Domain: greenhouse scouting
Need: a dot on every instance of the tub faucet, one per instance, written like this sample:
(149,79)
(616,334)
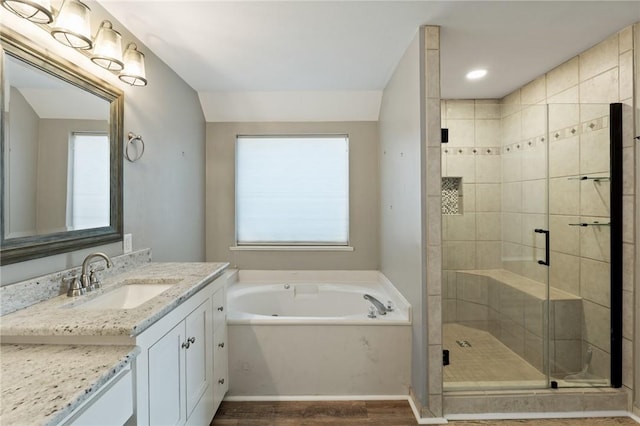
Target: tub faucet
(382,310)
(88,281)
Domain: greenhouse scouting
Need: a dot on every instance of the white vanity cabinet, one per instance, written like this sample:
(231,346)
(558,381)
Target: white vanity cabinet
(181,375)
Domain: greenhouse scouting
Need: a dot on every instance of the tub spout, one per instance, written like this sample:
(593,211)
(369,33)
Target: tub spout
(382,310)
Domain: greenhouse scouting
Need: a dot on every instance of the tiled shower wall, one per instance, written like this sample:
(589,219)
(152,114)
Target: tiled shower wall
(472,238)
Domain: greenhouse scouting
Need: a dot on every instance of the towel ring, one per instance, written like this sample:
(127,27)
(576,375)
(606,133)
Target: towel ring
(132,139)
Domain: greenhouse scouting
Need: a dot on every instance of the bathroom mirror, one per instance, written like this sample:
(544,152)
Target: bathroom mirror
(61,154)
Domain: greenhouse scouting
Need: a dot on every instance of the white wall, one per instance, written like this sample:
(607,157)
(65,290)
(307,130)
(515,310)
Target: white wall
(401,248)
(164,191)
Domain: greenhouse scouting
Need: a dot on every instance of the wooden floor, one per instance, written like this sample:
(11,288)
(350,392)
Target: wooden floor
(348,413)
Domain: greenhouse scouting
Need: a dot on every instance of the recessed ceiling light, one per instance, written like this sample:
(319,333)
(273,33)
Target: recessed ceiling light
(476,74)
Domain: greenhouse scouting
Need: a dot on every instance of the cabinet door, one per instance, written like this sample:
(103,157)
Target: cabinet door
(220,365)
(166,375)
(197,374)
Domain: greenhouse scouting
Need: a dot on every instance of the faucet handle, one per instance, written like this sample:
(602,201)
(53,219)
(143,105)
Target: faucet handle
(75,286)
(390,306)
(94,282)
(372,311)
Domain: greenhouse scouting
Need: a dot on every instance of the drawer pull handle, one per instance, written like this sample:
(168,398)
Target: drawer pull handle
(221,345)
(191,340)
(221,381)
(221,308)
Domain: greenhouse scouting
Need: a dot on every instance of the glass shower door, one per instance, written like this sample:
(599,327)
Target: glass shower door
(495,288)
(580,219)
(523,307)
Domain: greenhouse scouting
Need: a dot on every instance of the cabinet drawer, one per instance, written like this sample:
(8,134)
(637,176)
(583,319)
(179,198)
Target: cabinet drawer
(111,406)
(219,309)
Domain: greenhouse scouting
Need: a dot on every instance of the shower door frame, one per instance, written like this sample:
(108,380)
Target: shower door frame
(616,147)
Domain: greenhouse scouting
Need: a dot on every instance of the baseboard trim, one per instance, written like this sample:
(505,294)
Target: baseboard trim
(316,398)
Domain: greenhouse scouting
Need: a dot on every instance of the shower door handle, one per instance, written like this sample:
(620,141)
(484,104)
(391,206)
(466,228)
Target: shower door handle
(546,245)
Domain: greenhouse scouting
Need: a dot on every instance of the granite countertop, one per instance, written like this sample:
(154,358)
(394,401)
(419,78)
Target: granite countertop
(40,386)
(63,316)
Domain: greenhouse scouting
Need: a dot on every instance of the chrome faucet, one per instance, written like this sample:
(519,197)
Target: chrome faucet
(382,310)
(89,281)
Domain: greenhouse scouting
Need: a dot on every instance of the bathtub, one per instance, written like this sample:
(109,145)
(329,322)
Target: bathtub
(306,333)
(306,298)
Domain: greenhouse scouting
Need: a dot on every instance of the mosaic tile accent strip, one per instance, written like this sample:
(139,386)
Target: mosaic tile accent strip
(559,134)
(465,150)
(554,136)
(451,195)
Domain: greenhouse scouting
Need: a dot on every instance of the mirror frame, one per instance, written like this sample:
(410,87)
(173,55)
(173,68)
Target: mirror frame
(19,249)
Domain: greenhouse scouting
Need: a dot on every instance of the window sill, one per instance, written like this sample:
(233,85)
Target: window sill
(291,248)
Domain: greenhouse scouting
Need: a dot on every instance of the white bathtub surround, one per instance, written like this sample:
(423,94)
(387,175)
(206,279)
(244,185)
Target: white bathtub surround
(29,292)
(41,384)
(322,341)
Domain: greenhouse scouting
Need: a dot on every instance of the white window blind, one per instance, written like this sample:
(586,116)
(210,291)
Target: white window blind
(292,190)
(89,181)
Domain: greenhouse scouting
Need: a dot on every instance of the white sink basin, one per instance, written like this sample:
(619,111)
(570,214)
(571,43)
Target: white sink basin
(126,297)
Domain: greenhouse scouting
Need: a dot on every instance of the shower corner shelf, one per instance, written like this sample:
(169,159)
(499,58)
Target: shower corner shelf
(593,178)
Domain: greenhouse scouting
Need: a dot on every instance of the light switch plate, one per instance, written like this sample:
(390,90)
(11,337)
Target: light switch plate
(127,243)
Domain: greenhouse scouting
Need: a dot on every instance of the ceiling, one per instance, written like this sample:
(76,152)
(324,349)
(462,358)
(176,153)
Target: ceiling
(352,46)
(51,97)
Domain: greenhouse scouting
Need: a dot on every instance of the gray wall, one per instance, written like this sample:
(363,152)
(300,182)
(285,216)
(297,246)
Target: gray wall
(22,152)
(401,253)
(363,194)
(164,191)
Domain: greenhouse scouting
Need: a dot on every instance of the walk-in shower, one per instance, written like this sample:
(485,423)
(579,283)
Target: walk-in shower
(531,199)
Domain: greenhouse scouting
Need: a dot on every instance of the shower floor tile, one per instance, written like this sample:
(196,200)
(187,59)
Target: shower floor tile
(478,361)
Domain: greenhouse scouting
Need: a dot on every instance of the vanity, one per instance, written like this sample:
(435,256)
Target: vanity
(160,360)
(146,348)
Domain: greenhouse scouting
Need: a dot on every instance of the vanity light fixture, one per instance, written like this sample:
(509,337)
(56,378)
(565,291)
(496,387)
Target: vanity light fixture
(107,48)
(72,26)
(134,71)
(38,11)
(476,74)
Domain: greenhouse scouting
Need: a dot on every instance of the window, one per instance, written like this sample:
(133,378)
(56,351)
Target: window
(88,189)
(292,190)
